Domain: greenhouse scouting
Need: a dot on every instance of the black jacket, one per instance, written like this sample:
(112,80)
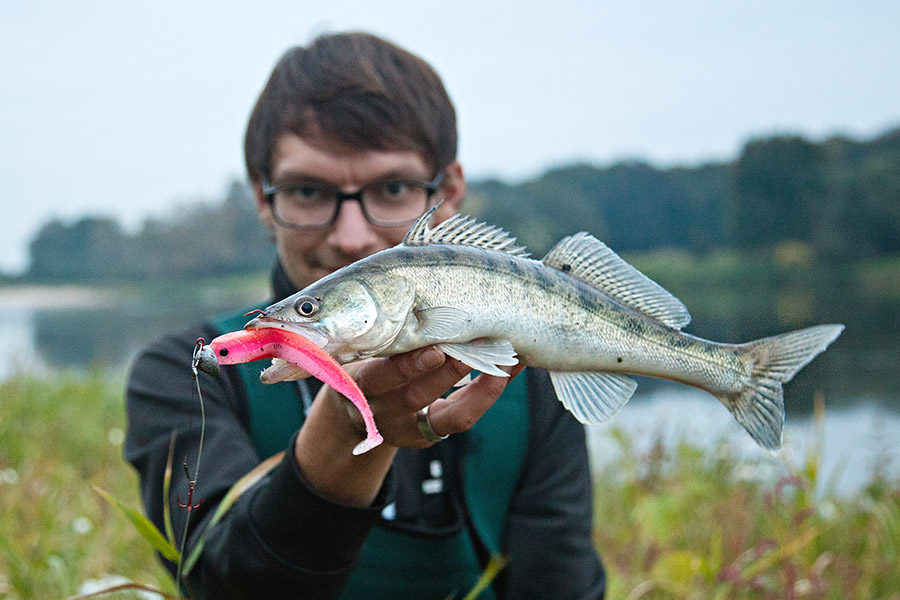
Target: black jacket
(281,537)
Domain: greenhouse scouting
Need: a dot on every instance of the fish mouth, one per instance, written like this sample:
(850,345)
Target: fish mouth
(311,333)
(280,369)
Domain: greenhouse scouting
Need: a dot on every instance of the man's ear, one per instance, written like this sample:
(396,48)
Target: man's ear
(452,192)
(263,207)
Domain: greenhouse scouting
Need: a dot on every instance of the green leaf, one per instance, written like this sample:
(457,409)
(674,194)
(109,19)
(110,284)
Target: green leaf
(678,566)
(495,565)
(167,485)
(144,526)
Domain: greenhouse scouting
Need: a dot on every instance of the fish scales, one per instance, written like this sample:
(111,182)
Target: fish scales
(546,314)
(581,312)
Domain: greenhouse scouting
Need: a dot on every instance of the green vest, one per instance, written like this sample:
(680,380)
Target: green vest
(395,564)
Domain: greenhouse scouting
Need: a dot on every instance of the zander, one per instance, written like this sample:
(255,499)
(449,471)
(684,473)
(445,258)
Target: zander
(582,313)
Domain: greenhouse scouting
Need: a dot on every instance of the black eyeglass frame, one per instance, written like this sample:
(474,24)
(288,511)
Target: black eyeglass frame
(430,187)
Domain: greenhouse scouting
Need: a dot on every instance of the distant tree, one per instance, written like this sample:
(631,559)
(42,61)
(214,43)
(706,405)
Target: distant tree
(630,206)
(89,249)
(872,214)
(705,191)
(208,239)
(775,188)
(250,246)
(202,239)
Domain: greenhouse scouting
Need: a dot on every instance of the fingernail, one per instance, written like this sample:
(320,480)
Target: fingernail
(429,358)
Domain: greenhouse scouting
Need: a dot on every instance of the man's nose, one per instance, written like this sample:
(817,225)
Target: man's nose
(351,231)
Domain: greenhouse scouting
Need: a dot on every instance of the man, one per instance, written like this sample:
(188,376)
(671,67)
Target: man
(350,141)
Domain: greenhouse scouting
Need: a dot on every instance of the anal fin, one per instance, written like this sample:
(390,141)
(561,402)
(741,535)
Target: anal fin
(483,355)
(592,397)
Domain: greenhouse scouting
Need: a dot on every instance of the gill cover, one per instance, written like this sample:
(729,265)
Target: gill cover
(362,316)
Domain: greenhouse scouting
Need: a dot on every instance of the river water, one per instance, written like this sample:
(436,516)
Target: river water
(73,329)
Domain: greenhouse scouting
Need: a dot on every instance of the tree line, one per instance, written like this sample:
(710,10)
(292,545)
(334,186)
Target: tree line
(840,198)
(202,240)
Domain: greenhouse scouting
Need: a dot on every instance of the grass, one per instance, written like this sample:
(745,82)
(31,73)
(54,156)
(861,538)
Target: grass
(681,523)
(58,437)
(674,522)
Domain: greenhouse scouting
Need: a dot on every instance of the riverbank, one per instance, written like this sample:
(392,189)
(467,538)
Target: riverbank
(851,444)
(44,297)
(48,296)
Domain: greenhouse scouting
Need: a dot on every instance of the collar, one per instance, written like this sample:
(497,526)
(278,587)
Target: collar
(281,283)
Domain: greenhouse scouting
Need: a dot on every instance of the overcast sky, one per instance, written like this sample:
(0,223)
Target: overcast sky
(128,109)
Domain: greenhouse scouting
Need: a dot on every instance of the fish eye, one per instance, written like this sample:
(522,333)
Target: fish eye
(306,306)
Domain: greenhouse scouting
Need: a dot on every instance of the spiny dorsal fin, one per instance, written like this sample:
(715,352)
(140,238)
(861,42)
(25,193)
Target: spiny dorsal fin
(586,258)
(462,230)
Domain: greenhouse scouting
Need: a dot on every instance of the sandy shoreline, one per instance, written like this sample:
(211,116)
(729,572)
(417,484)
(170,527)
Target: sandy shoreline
(54,296)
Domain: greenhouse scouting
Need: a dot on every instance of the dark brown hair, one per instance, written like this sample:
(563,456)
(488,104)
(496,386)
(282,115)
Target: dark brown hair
(354,90)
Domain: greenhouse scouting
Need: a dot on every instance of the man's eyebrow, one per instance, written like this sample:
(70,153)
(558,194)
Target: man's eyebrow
(299,177)
(399,173)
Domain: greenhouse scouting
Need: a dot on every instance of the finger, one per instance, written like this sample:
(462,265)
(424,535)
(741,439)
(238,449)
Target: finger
(422,391)
(379,376)
(462,409)
(402,385)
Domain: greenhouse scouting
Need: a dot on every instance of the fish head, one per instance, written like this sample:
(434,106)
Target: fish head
(350,318)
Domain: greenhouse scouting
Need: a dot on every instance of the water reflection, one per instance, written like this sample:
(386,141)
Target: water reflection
(17,346)
(106,334)
(857,443)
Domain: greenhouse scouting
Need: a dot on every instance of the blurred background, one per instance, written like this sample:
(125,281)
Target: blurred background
(745,156)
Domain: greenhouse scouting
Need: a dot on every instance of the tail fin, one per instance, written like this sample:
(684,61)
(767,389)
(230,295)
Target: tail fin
(759,405)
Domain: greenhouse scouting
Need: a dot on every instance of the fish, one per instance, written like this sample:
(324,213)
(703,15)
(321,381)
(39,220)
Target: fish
(582,313)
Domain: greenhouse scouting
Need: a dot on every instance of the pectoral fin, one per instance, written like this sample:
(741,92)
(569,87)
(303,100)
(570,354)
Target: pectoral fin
(442,322)
(483,355)
(592,397)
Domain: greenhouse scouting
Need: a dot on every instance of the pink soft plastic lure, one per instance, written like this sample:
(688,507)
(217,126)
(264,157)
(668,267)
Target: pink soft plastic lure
(255,344)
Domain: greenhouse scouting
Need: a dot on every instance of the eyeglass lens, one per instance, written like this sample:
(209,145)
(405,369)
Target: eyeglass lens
(383,203)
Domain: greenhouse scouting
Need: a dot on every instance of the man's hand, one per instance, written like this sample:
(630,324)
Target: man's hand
(396,388)
(400,386)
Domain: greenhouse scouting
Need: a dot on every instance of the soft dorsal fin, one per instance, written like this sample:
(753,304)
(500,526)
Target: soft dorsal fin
(462,230)
(586,258)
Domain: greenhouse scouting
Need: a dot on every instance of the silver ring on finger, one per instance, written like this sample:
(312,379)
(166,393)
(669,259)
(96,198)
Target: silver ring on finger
(425,426)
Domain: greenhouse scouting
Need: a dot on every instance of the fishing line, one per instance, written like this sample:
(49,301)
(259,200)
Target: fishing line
(195,361)
(192,482)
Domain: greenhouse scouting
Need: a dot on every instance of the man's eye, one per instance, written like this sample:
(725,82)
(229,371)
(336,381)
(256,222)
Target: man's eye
(304,194)
(396,188)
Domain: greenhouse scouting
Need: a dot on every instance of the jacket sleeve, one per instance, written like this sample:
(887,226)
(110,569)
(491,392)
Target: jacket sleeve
(280,536)
(549,529)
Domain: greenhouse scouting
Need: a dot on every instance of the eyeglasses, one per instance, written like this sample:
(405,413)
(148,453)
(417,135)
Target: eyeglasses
(388,203)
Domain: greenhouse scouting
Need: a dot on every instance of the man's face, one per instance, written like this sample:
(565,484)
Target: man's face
(310,254)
